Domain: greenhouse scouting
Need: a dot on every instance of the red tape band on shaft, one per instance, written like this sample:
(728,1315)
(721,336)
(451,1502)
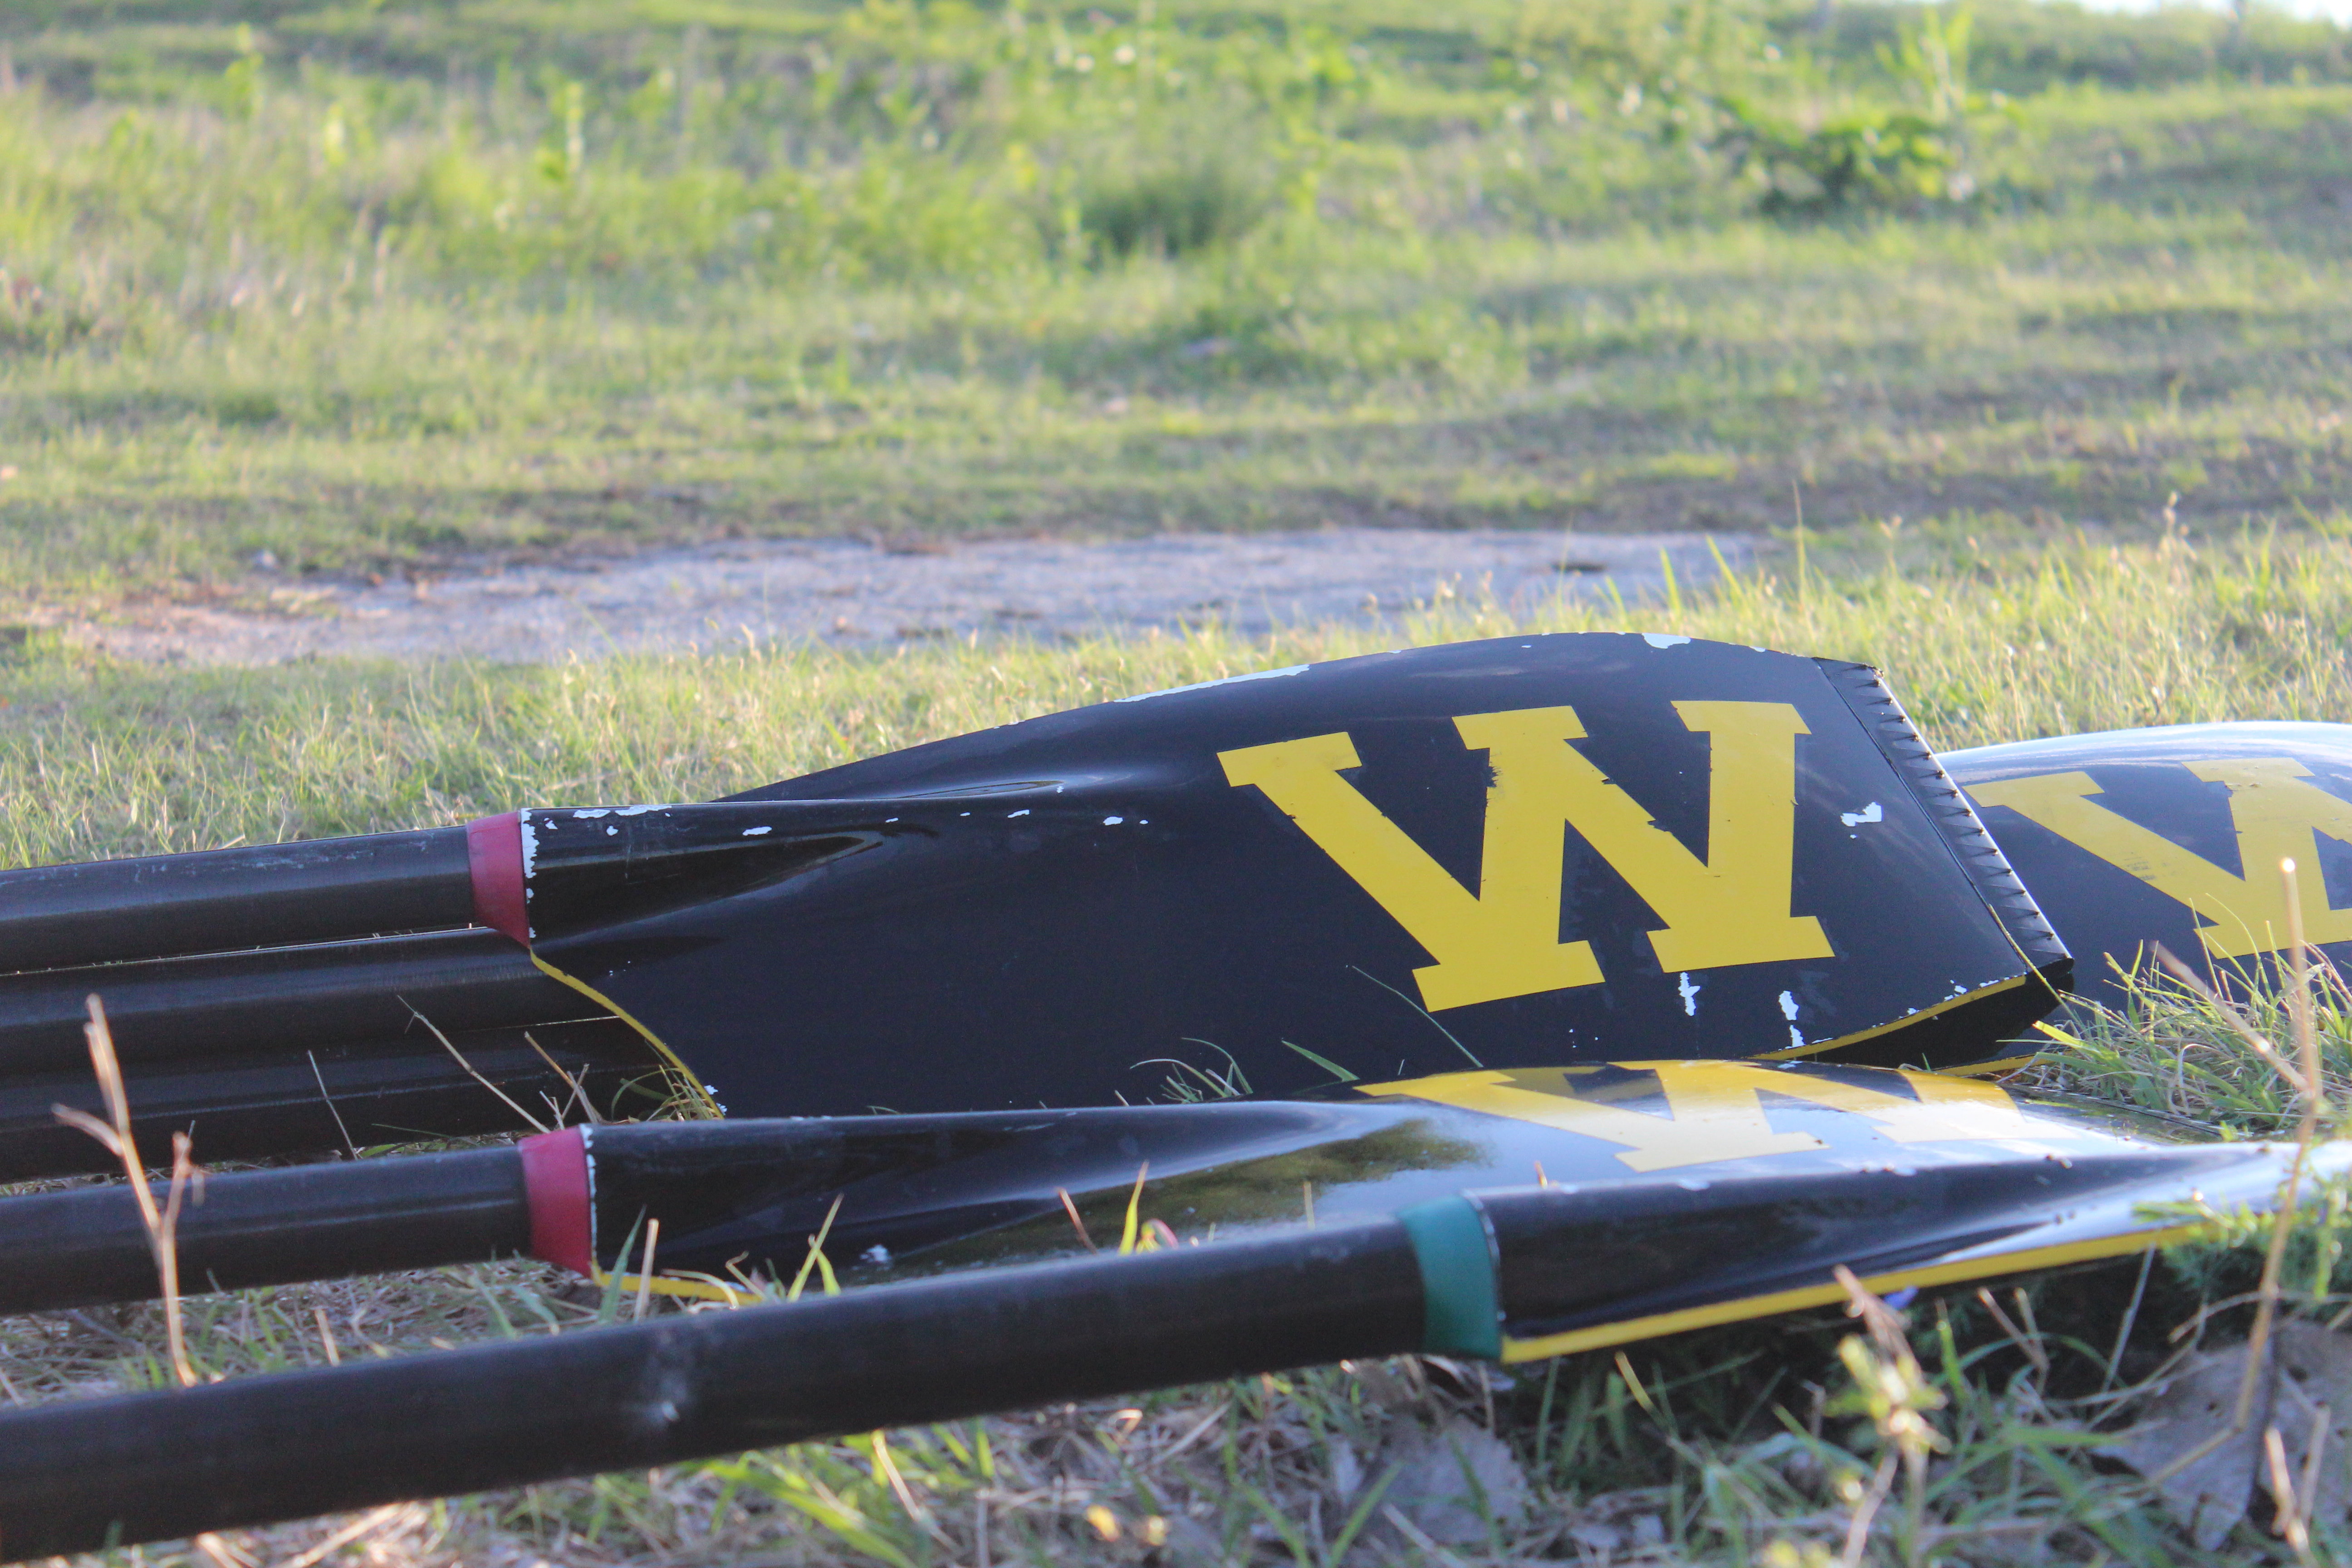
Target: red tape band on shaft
(555,1177)
(494,854)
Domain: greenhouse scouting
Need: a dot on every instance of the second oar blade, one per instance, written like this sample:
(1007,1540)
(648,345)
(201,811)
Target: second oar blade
(1497,853)
(881,1196)
(2136,838)
(1511,1274)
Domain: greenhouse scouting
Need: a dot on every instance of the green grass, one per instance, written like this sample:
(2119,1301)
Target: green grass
(373,288)
(1987,637)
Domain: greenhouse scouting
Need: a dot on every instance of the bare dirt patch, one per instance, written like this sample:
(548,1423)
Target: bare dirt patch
(857,593)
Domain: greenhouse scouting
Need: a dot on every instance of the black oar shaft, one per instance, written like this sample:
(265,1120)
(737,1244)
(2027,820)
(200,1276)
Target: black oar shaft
(729,1196)
(301,1100)
(268,1228)
(292,999)
(216,900)
(255,1449)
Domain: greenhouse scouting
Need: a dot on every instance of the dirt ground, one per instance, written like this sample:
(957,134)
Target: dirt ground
(861,593)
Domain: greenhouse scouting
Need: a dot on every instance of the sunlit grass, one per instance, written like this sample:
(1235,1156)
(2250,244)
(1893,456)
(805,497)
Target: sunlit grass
(370,316)
(100,759)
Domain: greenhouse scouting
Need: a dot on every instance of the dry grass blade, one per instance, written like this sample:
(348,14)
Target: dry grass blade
(2305,1080)
(358,1530)
(887,1470)
(1129,1231)
(2292,1521)
(1076,1221)
(646,1271)
(216,1551)
(2307,1045)
(577,1085)
(817,1259)
(162,1224)
(345,1132)
(2028,1345)
(530,1120)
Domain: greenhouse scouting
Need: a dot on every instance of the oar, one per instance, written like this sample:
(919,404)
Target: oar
(2133,839)
(216,900)
(1513,1274)
(1518,852)
(723,1205)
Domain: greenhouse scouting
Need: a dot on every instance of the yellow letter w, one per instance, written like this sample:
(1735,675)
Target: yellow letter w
(2277,815)
(1731,908)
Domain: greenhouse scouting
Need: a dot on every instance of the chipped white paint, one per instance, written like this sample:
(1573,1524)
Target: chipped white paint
(588,813)
(1113,821)
(530,848)
(1870,813)
(1011,815)
(1663,639)
(1690,998)
(1789,1011)
(756,832)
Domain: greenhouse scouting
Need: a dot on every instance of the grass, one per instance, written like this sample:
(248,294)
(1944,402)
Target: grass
(2056,429)
(377,289)
(1987,636)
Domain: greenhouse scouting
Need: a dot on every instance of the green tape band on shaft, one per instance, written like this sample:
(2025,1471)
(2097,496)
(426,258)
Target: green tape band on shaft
(1456,1253)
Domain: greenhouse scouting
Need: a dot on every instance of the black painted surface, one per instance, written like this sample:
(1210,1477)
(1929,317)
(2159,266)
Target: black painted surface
(1575,1259)
(894,1195)
(182,1009)
(956,1191)
(2110,917)
(1061,911)
(213,901)
(252,1105)
(86,1245)
(288,1445)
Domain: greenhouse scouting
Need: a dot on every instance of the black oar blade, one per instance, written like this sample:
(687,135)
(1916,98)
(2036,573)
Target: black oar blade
(2134,838)
(1498,854)
(1844,1164)
(1764,1183)
(1515,852)
(881,1196)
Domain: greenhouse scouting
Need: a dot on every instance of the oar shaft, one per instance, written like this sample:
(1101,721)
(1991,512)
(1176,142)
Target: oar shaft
(184,1009)
(739,1195)
(301,1099)
(216,901)
(161,1466)
(87,1244)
